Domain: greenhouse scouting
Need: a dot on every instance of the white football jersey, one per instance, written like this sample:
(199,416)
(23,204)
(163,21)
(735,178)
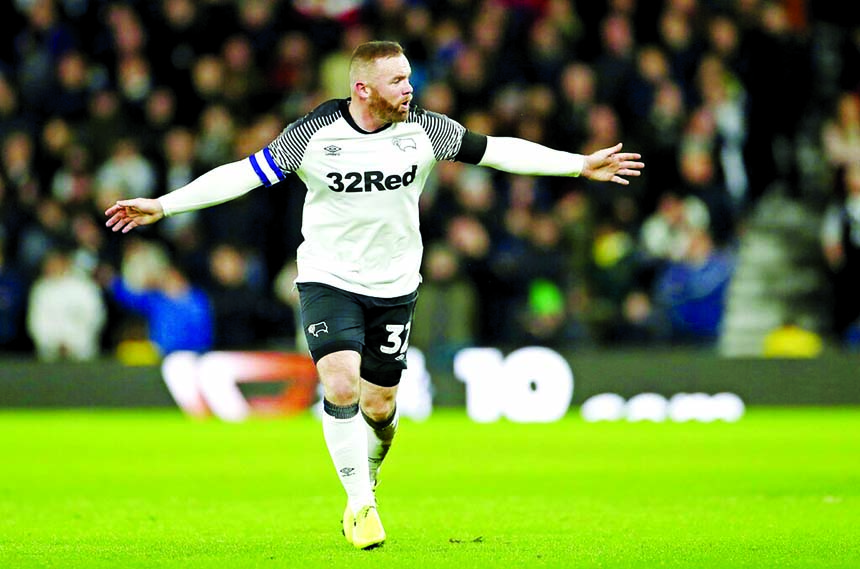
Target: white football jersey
(360,217)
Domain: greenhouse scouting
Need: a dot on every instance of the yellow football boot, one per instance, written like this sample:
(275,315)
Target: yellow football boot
(367,531)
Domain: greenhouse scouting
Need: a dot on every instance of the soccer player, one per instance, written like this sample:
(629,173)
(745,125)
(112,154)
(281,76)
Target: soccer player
(364,161)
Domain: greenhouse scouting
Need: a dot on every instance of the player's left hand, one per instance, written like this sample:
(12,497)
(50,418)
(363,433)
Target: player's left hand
(611,165)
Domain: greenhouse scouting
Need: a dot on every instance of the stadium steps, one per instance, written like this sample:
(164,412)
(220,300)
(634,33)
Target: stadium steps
(779,275)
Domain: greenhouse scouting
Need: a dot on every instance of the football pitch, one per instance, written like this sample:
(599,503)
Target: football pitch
(779,488)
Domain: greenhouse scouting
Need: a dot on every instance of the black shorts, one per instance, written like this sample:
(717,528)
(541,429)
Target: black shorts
(377,328)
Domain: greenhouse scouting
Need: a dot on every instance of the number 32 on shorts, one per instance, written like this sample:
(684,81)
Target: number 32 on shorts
(398,339)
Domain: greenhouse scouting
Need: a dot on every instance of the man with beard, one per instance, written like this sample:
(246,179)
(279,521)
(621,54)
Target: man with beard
(364,161)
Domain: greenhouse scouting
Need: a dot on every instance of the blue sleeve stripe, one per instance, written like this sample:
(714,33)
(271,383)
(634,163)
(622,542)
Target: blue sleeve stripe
(259,171)
(271,160)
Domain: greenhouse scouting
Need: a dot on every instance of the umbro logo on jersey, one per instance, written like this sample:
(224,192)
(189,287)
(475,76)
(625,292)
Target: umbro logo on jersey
(405,144)
(332,150)
(318,328)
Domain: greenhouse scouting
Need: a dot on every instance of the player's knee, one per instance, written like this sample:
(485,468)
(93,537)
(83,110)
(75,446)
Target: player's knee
(340,378)
(378,407)
(341,391)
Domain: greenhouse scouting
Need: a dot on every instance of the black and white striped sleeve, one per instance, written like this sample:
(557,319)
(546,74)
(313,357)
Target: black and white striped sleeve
(284,154)
(450,140)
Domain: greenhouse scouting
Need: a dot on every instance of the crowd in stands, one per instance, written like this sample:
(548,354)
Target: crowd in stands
(108,99)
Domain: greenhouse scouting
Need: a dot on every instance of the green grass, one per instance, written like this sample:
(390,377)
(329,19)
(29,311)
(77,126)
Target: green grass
(780,488)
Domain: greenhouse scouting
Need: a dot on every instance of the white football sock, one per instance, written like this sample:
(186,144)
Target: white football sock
(379,438)
(346,440)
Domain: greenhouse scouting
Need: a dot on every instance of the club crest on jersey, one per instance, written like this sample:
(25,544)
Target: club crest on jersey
(316,329)
(405,144)
(332,150)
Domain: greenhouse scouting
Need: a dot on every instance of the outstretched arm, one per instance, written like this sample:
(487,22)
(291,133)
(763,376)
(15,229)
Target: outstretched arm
(221,184)
(519,156)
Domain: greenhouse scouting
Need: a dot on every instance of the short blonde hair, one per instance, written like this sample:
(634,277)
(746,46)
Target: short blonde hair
(366,53)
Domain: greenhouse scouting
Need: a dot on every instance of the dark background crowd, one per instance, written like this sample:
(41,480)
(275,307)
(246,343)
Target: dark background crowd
(101,100)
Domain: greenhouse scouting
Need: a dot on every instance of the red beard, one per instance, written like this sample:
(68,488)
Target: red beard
(385,111)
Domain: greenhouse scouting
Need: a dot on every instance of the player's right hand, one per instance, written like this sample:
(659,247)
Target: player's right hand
(125,215)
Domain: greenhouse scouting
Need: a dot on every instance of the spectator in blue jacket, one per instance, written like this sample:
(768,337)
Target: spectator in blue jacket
(177,313)
(691,292)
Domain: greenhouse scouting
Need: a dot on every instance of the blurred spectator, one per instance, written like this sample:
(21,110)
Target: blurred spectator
(700,178)
(682,46)
(243,80)
(615,66)
(471,241)
(724,98)
(291,77)
(289,70)
(160,114)
(651,72)
(23,177)
(89,243)
(691,292)
(725,42)
(107,122)
(640,322)
(182,36)
(260,22)
(135,80)
(416,33)
(244,317)
(840,238)
(38,48)
(780,89)
(660,130)
(576,218)
(840,133)
(216,132)
(547,53)
(45,230)
(544,268)
(498,37)
(57,137)
(66,312)
(612,275)
(74,81)
(666,233)
(127,35)
(207,77)
(12,117)
(578,92)
(126,170)
(544,320)
(446,42)
(470,79)
(177,313)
